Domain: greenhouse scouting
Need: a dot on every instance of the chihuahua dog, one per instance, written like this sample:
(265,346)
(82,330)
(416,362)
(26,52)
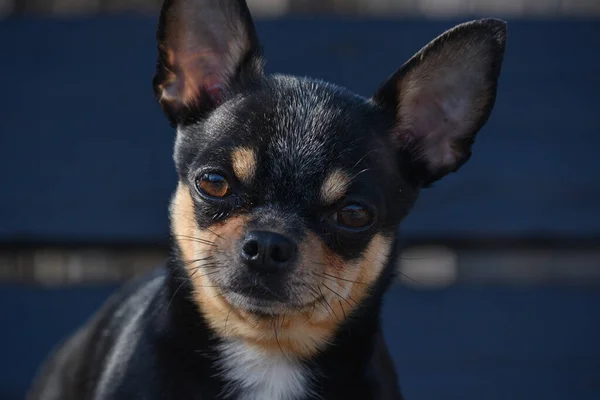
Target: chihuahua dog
(284,221)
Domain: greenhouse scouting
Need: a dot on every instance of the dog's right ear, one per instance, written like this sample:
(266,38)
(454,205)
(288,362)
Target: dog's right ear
(205,47)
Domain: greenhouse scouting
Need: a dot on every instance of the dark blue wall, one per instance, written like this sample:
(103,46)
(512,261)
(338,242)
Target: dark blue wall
(86,155)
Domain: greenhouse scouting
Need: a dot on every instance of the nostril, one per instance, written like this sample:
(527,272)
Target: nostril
(281,249)
(281,254)
(250,248)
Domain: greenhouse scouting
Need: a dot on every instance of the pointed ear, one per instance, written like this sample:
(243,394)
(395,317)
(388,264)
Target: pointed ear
(443,95)
(205,47)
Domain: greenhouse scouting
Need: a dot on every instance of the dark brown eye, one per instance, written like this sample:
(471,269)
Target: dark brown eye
(353,216)
(213,185)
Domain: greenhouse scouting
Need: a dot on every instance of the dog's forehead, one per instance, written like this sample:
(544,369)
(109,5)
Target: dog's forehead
(302,127)
(310,130)
(289,136)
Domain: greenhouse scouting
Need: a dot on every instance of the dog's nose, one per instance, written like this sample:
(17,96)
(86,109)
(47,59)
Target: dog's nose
(267,251)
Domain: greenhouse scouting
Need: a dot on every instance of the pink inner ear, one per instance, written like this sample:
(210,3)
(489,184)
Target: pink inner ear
(431,119)
(199,73)
(426,114)
(422,115)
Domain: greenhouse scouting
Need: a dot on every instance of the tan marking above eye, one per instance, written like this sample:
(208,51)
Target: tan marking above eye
(334,186)
(244,162)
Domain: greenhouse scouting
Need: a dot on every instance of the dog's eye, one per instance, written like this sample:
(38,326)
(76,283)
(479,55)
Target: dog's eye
(213,185)
(353,216)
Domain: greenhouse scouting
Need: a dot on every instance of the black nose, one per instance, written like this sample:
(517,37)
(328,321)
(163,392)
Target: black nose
(267,251)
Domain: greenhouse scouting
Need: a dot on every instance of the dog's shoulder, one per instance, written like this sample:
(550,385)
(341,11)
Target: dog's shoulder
(92,362)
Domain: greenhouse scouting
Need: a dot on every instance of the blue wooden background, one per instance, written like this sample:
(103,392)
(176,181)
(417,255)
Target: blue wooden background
(85,154)
(85,157)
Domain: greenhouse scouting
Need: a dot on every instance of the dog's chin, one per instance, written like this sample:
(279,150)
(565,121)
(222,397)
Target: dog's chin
(254,305)
(264,307)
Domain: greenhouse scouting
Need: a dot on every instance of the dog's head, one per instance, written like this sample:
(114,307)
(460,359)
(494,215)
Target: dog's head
(291,189)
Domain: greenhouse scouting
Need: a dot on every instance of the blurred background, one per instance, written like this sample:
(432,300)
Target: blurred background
(498,295)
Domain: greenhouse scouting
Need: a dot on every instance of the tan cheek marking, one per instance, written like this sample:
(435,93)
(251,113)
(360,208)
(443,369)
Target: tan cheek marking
(195,244)
(300,334)
(375,258)
(244,164)
(183,225)
(354,280)
(334,186)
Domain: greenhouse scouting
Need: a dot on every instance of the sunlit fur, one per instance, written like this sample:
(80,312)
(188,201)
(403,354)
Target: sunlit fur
(335,185)
(243,161)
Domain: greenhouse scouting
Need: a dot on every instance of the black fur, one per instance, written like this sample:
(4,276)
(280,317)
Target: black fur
(150,341)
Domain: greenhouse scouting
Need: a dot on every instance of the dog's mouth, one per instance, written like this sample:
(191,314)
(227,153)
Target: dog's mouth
(261,300)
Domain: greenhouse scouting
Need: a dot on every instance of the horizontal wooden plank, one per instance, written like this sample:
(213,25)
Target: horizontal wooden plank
(419,266)
(435,8)
(85,154)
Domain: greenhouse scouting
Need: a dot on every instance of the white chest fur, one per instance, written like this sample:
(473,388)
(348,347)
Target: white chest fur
(259,375)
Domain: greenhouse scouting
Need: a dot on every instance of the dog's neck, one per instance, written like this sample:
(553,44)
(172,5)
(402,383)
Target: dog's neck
(249,372)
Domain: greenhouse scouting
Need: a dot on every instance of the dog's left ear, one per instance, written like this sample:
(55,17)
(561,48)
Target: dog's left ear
(443,95)
(205,48)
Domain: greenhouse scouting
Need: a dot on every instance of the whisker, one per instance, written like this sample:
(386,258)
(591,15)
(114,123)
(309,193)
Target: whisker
(329,305)
(209,286)
(206,274)
(277,338)
(318,263)
(401,257)
(209,265)
(214,233)
(189,279)
(409,278)
(196,239)
(335,278)
(352,300)
(189,262)
(398,272)
(282,320)
(363,157)
(227,317)
(217,295)
(359,173)
(318,299)
(175,293)
(311,289)
(314,307)
(337,294)
(342,307)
